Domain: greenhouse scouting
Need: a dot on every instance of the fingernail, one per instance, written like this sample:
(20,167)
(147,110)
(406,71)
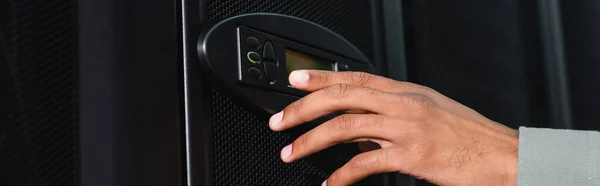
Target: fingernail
(275,119)
(324,183)
(299,76)
(286,151)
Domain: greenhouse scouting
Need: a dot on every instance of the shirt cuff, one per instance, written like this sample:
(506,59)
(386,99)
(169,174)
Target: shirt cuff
(558,157)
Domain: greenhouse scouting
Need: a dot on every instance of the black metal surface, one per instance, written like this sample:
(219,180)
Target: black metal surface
(38,128)
(484,54)
(349,18)
(559,100)
(130,93)
(196,100)
(393,27)
(581,28)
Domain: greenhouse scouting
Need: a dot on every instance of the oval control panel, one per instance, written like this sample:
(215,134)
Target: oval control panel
(251,58)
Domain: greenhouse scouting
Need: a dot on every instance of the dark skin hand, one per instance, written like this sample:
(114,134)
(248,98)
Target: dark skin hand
(419,131)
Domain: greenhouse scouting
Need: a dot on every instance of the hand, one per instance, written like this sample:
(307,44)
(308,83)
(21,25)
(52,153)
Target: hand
(421,132)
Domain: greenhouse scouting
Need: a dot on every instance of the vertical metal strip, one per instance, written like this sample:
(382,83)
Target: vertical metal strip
(555,61)
(393,29)
(378,57)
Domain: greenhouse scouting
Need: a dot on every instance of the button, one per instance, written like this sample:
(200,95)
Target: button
(254,72)
(271,70)
(253,57)
(252,43)
(342,67)
(269,52)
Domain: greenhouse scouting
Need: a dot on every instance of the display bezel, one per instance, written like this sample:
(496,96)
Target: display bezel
(281,44)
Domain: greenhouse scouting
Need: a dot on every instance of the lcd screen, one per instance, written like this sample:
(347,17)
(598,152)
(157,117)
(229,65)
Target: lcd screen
(299,61)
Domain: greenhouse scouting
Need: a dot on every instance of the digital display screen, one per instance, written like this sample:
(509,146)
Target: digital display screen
(299,61)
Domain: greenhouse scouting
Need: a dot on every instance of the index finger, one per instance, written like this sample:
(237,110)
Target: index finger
(313,80)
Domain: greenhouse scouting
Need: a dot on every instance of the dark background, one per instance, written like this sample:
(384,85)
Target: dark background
(492,56)
(91,91)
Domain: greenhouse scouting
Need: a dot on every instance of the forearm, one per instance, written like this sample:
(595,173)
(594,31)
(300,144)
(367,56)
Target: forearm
(558,157)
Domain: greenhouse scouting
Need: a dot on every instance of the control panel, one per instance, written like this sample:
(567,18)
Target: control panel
(265,60)
(250,56)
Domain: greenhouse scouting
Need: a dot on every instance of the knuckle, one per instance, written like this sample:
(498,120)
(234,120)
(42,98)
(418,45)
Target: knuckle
(344,123)
(406,86)
(416,102)
(380,157)
(383,156)
(302,141)
(348,123)
(360,78)
(339,91)
(375,93)
(294,110)
(297,106)
(360,162)
(372,121)
(326,77)
(322,78)
(412,87)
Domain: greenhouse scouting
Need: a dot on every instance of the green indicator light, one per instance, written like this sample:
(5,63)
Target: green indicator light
(253,57)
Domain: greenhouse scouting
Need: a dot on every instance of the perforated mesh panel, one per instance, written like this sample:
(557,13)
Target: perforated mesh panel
(37,42)
(351,19)
(246,151)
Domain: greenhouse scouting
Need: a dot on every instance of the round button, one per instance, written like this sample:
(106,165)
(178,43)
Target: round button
(252,43)
(254,72)
(253,57)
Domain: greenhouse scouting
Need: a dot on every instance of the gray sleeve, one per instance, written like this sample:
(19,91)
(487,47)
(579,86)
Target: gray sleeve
(558,157)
